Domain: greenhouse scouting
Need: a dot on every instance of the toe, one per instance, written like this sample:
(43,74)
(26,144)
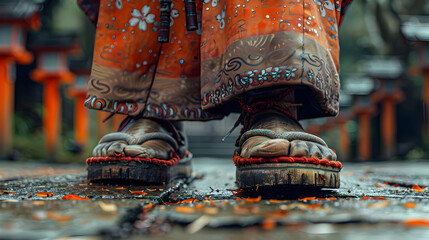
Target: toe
(104,148)
(299,148)
(265,147)
(138,151)
(96,151)
(314,151)
(116,149)
(327,153)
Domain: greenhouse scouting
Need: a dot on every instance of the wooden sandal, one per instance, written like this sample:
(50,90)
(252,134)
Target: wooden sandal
(285,170)
(140,170)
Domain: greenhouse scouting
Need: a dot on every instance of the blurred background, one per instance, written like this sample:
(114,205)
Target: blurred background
(45,60)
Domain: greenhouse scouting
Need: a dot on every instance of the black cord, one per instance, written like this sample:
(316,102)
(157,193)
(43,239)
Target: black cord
(152,81)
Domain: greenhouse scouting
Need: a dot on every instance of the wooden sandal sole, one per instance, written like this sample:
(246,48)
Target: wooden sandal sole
(137,171)
(287,175)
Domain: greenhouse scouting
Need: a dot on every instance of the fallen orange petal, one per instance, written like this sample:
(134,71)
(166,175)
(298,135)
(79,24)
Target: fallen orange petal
(74,197)
(306,198)
(379,186)
(277,214)
(138,192)
(278,201)
(417,188)
(254,209)
(151,190)
(200,206)
(417,222)
(120,188)
(45,194)
(236,191)
(395,185)
(184,209)
(191,200)
(253,200)
(386,183)
(6,192)
(365,198)
(379,198)
(268,224)
(331,198)
(409,205)
(212,203)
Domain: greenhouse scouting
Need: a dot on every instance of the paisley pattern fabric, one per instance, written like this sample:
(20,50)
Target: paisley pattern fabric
(241,46)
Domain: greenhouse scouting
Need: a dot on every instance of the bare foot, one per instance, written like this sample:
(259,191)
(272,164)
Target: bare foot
(261,146)
(116,144)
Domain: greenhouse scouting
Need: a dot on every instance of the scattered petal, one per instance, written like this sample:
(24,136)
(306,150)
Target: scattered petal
(395,185)
(417,223)
(236,191)
(278,201)
(382,204)
(191,200)
(306,198)
(120,188)
(184,209)
(138,192)
(7,192)
(45,194)
(211,210)
(200,206)
(417,188)
(74,197)
(378,186)
(151,190)
(379,198)
(254,209)
(409,205)
(212,203)
(364,198)
(253,200)
(268,224)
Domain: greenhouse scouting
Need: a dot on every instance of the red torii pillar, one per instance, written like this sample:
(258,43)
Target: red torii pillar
(343,135)
(78,92)
(12,49)
(388,95)
(364,110)
(52,71)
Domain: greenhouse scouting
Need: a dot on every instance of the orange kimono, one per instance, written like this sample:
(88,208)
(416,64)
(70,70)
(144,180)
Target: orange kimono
(239,46)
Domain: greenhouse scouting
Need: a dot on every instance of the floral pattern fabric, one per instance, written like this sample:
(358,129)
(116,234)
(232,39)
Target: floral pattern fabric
(241,46)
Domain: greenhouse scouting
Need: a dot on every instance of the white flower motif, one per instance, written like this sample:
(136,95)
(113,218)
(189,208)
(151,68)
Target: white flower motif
(221,18)
(174,14)
(142,18)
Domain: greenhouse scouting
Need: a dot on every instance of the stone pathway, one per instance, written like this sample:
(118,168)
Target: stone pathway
(376,200)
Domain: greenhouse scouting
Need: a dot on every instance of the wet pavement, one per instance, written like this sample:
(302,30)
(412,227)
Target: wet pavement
(385,200)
